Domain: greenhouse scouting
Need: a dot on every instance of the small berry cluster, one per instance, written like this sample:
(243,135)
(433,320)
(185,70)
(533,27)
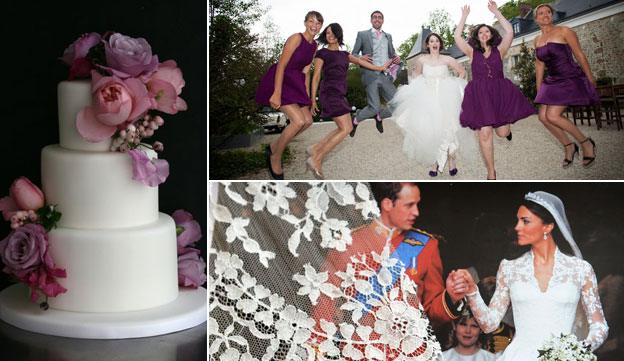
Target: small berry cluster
(20,217)
(131,137)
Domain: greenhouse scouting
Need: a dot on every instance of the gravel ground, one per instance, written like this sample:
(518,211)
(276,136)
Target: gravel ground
(533,154)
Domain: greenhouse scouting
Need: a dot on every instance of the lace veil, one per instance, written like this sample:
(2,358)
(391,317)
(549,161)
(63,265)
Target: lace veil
(287,281)
(554,205)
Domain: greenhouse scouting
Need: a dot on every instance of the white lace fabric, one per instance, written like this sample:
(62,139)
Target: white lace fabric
(537,314)
(273,297)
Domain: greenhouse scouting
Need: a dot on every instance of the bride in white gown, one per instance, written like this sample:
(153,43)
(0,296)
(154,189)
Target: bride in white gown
(543,285)
(427,110)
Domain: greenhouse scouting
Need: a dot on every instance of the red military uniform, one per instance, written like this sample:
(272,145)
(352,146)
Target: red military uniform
(428,275)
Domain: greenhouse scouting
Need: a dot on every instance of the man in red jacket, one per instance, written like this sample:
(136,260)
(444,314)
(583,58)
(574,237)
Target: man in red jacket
(417,250)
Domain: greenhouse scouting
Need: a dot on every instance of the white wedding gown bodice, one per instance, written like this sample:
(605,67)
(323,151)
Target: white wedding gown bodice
(540,314)
(427,112)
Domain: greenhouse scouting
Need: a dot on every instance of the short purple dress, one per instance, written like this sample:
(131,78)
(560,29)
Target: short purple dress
(490,99)
(333,91)
(293,85)
(566,84)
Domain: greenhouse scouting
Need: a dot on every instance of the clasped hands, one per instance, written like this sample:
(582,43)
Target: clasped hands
(459,283)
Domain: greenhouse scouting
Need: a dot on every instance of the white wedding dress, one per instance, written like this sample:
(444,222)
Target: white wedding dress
(537,314)
(427,112)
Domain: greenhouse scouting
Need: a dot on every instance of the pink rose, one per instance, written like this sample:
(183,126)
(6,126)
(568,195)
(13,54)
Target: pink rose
(150,172)
(129,57)
(187,228)
(191,268)
(23,196)
(115,101)
(26,195)
(43,280)
(24,249)
(164,87)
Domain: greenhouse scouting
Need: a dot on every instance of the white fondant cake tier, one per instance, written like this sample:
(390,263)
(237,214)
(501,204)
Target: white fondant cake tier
(116,270)
(95,189)
(72,97)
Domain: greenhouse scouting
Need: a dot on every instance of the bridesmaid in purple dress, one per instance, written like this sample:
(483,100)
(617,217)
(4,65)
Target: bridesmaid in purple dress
(333,63)
(491,102)
(285,87)
(566,84)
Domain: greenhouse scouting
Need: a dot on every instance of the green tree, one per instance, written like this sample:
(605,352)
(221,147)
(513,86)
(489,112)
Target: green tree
(356,93)
(440,23)
(235,66)
(511,9)
(406,46)
(525,70)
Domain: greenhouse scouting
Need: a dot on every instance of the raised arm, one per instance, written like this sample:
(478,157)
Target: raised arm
(318,66)
(572,40)
(489,317)
(598,328)
(508,36)
(361,62)
(539,68)
(454,64)
(459,40)
(289,48)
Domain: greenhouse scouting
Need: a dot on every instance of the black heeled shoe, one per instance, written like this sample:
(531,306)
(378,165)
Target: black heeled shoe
(586,158)
(434,173)
(268,153)
(567,162)
(509,136)
(488,178)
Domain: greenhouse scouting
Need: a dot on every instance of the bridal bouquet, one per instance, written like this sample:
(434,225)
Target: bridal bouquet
(565,348)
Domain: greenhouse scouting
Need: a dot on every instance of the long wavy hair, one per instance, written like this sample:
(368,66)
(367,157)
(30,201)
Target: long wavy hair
(495,40)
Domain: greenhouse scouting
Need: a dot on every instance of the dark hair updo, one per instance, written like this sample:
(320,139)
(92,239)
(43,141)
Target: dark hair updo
(439,39)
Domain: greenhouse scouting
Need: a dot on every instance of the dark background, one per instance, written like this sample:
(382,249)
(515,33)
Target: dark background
(35,34)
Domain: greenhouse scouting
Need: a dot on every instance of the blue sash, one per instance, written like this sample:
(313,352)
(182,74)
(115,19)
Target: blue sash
(407,253)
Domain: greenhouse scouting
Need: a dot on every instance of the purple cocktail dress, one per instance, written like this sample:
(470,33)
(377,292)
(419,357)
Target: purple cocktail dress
(566,84)
(490,99)
(293,85)
(333,91)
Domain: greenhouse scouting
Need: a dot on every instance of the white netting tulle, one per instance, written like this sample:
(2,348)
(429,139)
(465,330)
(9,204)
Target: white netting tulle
(285,283)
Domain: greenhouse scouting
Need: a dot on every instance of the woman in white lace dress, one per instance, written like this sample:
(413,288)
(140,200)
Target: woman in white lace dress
(543,285)
(427,110)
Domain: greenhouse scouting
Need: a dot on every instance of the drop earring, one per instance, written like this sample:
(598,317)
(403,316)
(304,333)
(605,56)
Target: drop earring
(545,236)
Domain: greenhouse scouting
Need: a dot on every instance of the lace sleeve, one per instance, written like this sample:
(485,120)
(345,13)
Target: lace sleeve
(598,328)
(489,317)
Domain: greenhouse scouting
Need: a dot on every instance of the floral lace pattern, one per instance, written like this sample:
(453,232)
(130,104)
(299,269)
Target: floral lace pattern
(538,314)
(250,320)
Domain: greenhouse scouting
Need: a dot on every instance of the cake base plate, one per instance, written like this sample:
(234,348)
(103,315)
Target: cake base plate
(187,311)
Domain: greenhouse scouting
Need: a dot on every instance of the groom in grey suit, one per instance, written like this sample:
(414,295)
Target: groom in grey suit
(376,47)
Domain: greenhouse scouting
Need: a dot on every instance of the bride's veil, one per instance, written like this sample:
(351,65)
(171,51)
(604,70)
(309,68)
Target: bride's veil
(288,282)
(555,206)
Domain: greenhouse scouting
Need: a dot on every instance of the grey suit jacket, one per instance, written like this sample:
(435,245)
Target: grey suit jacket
(364,45)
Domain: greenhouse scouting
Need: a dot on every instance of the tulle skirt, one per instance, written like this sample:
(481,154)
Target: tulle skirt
(427,111)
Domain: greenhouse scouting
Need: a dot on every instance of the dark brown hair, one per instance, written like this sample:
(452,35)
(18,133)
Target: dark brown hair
(336,29)
(495,40)
(377,12)
(439,39)
(390,190)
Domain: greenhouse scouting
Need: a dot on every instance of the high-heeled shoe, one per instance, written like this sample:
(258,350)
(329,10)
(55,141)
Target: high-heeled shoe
(268,153)
(309,150)
(488,178)
(567,162)
(316,172)
(452,170)
(586,158)
(434,173)
(509,136)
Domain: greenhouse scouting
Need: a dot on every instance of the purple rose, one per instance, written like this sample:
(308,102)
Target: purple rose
(43,280)
(76,55)
(25,249)
(150,172)
(129,57)
(188,229)
(191,268)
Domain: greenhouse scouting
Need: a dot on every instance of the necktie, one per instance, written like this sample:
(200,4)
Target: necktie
(378,32)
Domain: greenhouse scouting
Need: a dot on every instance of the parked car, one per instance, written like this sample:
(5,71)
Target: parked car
(276,122)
